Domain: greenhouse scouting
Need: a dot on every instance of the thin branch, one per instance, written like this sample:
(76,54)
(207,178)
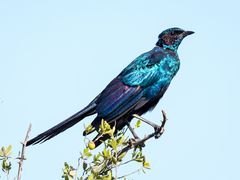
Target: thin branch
(131,160)
(116,167)
(22,155)
(78,166)
(138,170)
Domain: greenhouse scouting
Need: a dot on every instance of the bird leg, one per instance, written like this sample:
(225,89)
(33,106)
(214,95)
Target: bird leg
(132,131)
(146,121)
(136,138)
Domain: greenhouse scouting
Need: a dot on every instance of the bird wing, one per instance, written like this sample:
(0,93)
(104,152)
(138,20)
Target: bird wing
(145,70)
(117,99)
(127,90)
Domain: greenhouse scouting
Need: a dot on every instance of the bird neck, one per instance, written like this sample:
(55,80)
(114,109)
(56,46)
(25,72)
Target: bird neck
(172,47)
(172,52)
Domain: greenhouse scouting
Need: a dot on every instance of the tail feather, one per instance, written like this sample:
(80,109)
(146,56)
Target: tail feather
(87,111)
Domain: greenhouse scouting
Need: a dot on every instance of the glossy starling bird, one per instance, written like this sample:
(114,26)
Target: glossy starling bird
(136,90)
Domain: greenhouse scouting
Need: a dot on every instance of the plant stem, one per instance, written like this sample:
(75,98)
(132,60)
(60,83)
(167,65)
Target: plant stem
(22,155)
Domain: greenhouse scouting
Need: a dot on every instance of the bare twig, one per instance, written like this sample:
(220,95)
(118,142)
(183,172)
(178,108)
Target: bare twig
(22,155)
(78,166)
(136,171)
(116,167)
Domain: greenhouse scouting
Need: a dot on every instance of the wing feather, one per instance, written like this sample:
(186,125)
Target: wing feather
(117,98)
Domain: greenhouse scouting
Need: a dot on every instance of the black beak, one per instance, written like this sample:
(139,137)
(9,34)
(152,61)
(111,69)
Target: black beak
(187,33)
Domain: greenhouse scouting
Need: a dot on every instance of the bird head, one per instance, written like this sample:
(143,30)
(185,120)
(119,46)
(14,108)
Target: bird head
(172,38)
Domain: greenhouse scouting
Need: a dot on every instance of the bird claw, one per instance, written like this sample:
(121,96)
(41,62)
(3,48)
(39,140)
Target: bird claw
(159,130)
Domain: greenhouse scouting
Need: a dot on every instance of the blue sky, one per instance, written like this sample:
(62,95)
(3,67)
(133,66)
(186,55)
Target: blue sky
(55,56)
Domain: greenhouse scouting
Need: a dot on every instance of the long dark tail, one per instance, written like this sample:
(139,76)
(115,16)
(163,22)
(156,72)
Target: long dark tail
(87,111)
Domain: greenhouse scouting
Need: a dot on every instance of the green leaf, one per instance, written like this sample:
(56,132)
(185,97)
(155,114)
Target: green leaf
(3,164)
(108,177)
(86,153)
(106,125)
(133,154)
(122,156)
(1,153)
(8,150)
(111,132)
(96,157)
(3,149)
(138,159)
(66,165)
(139,155)
(138,123)
(113,144)
(106,153)
(105,128)
(91,177)
(114,160)
(68,172)
(146,165)
(120,140)
(84,165)
(6,166)
(89,129)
